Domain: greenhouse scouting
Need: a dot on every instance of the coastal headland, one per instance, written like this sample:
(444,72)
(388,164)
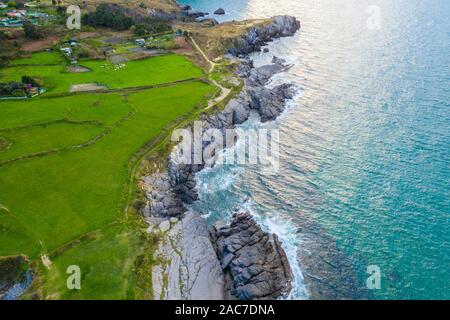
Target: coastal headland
(100,187)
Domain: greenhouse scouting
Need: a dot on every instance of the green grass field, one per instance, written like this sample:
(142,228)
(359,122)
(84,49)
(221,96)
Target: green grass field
(146,72)
(39,58)
(47,201)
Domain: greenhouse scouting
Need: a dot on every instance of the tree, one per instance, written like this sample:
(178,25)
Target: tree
(30,80)
(107,15)
(32,31)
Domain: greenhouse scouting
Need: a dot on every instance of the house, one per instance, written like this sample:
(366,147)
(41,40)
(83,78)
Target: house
(67,51)
(19,14)
(70,43)
(11,23)
(30,5)
(37,15)
(140,42)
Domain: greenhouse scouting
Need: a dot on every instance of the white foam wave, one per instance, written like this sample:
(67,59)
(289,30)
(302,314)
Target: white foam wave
(285,229)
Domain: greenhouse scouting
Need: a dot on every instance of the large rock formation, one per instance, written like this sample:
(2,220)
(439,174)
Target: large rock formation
(240,261)
(269,103)
(257,37)
(162,201)
(255,264)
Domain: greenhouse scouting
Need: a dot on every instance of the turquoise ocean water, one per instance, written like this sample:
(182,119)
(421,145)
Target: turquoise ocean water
(365,149)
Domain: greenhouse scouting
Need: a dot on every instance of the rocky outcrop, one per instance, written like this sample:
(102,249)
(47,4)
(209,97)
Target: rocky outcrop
(189,263)
(236,262)
(194,13)
(219,12)
(257,37)
(269,103)
(185,7)
(256,266)
(162,201)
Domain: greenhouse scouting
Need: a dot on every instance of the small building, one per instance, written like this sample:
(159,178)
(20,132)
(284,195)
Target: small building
(19,14)
(140,42)
(70,43)
(11,23)
(67,51)
(3,6)
(37,15)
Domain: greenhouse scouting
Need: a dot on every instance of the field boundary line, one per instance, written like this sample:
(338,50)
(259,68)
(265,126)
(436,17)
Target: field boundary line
(43,124)
(86,144)
(116,90)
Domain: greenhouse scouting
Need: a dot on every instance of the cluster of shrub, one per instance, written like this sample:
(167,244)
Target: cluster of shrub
(32,31)
(20,4)
(150,25)
(108,15)
(8,48)
(115,17)
(19,89)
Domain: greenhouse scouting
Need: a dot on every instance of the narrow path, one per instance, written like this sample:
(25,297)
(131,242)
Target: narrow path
(224,92)
(197,47)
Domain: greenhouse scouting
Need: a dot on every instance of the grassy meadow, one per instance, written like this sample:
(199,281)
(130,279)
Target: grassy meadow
(39,58)
(65,166)
(57,79)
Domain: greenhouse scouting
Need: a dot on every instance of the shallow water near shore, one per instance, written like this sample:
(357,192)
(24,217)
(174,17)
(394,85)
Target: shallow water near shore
(365,147)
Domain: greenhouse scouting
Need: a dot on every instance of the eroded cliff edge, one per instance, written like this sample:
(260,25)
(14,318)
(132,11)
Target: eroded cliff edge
(239,261)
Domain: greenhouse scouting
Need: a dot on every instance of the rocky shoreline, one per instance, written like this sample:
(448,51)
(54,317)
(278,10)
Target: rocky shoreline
(238,261)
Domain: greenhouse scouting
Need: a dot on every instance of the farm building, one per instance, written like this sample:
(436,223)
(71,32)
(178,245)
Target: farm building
(140,42)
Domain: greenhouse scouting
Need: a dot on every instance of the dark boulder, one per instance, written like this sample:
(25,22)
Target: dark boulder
(253,260)
(219,12)
(196,14)
(185,7)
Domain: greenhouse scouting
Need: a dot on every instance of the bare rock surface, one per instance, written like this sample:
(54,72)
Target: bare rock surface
(162,201)
(189,262)
(219,12)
